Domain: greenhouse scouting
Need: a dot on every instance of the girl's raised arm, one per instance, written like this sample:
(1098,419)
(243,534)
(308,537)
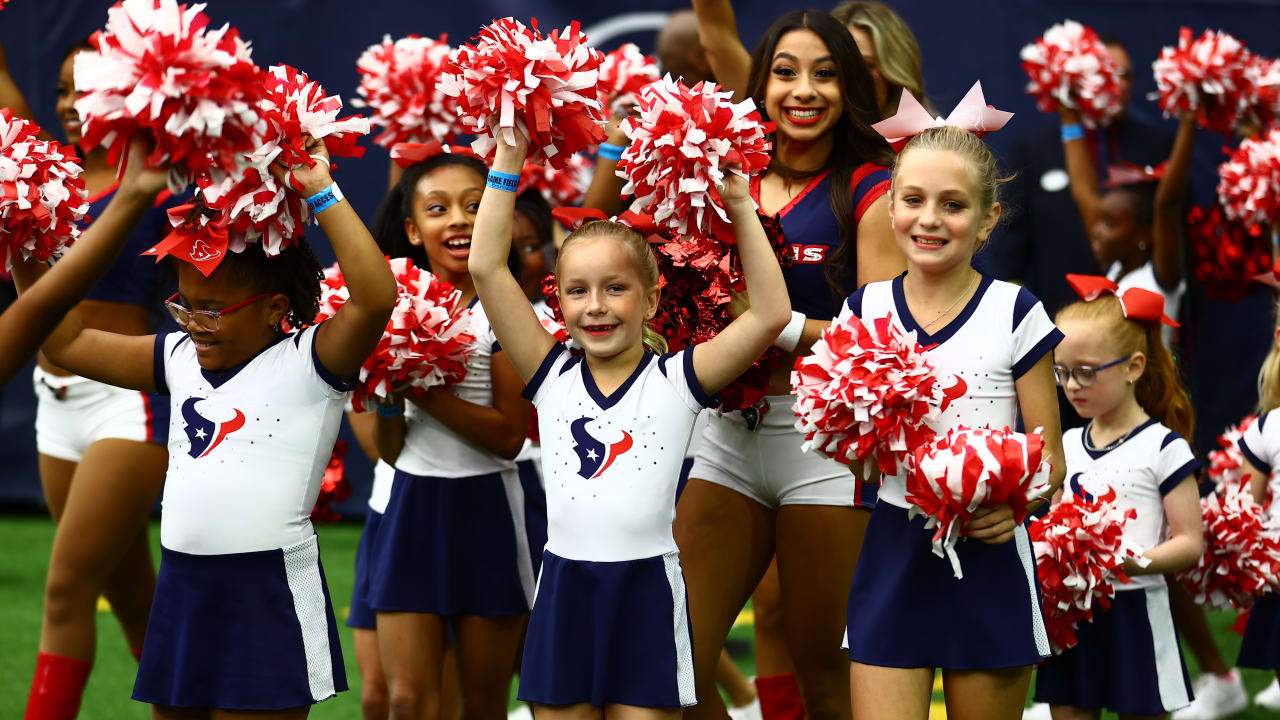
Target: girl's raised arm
(1082,173)
(1170,218)
(728,57)
(720,360)
(518,329)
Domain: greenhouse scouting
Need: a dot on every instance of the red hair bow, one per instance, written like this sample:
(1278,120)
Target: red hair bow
(574,217)
(406,153)
(1136,303)
(1126,173)
(194,239)
(972,114)
(1271,278)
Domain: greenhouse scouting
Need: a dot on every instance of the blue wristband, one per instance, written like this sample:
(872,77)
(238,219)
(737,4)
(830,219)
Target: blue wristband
(502,181)
(325,199)
(390,411)
(1074,131)
(610,152)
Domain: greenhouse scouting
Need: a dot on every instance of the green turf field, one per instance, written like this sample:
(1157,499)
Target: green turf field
(24,553)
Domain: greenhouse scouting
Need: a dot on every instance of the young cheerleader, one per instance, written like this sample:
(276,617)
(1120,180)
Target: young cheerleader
(984,632)
(241,593)
(609,632)
(450,561)
(1118,374)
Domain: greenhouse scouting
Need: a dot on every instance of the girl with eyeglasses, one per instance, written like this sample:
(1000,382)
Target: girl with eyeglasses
(1118,375)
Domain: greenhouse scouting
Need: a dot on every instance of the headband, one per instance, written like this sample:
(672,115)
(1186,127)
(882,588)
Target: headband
(1136,303)
(972,114)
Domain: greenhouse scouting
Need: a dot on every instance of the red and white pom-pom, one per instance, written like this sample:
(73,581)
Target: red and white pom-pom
(42,196)
(398,80)
(294,107)
(159,67)
(966,469)
(256,207)
(1225,464)
(562,187)
(1080,551)
(622,74)
(1249,181)
(868,389)
(515,76)
(426,342)
(334,486)
(1069,66)
(1241,557)
(681,142)
(1205,75)
(1263,77)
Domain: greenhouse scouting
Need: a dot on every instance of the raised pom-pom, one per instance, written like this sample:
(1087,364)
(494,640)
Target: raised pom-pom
(1205,75)
(157,66)
(681,142)
(622,73)
(1241,557)
(398,81)
(1080,551)
(1226,462)
(1070,67)
(562,187)
(966,469)
(294,107)
(868,389)
(1249,181)
(515,77)
(334,486)
(426,341)
(42,196)
(1226,255)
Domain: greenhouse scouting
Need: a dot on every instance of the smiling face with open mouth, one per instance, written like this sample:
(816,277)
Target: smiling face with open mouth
(444,213)
(604,300)
(803,93)
(936,209)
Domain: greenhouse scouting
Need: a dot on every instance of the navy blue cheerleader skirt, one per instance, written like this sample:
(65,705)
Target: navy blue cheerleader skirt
(1261,645)
(452,546)
(1127,660)
(609,632)
(535,510)
(362,616)
(907,609)
(244,631)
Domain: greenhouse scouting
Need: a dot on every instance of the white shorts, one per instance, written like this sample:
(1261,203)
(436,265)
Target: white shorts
(73,412)
(767,464)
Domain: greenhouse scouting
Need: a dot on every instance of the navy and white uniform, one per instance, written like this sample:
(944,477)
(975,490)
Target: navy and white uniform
(452,540)
(1144,276)
(900,586)
(610,621)
(241,617)
(1127,659)
(362,616)
(756,452)
(1261,645)
(73,412)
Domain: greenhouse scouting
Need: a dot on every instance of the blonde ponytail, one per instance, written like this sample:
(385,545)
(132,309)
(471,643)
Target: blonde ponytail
(1269,376)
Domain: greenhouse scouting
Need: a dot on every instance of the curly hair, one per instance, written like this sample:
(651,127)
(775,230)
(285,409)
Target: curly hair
(295,272)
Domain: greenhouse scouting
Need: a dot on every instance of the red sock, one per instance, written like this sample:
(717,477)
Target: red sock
(136,653)
(780,697)
(56,688)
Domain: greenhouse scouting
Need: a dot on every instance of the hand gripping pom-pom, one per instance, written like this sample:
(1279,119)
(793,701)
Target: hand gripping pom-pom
(515,77)
(426,342)
(1080,551)
(1241,557)
(964,470)
(1249,181)
(158,67)
(1226,463)
(42,195)
(334,486)
(681,142)
(562,187)
(1069,66)
(1226,255)
(868,389)
(622,74)
(1207,75)
(398,81)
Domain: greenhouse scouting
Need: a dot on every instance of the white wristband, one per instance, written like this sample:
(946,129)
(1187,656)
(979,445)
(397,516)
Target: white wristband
(790,335)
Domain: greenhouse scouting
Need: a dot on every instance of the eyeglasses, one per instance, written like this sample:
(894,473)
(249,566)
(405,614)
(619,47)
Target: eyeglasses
(206,320)
(1085,375)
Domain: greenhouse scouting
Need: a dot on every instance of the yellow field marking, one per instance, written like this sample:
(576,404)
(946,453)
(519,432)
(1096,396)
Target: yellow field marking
(937,711)
(103,605)
(746,617)
(937,682)
(346,611)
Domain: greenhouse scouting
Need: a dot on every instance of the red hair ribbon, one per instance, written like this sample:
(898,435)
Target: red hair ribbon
(972,114)
(1271,278)
(194,239)
(1136,303)
(406,153)
(575,217)
(1126,173)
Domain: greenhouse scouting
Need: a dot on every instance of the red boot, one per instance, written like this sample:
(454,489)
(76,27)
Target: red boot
(780,697)
(56,688)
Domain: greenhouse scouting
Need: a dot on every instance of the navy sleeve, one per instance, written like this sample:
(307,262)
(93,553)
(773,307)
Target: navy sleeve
(325,373)
(539,377)
(157,367)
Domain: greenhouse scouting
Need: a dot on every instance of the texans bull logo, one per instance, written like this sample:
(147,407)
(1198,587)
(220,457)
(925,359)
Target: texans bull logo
(592,453)
(205,434)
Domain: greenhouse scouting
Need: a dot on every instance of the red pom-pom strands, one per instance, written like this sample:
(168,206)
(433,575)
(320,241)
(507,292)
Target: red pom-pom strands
(868,389)
(426,342)
(1080,551)
(1216,77)
(334,487)
(42,196)
(562,187)
(398,80)
(968,469)
(1249,181)
(623,73)
(1225,463)
(296,106)
(158,67)
(1226,255)
(1241,557)
(516,77)
(681,142)
(1070,67)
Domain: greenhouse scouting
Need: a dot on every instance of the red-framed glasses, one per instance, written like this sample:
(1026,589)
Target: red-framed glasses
(207,320)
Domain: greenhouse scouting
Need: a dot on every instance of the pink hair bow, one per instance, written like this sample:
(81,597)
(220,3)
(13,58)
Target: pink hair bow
(972,114)
(1136,303)
(1127,173)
